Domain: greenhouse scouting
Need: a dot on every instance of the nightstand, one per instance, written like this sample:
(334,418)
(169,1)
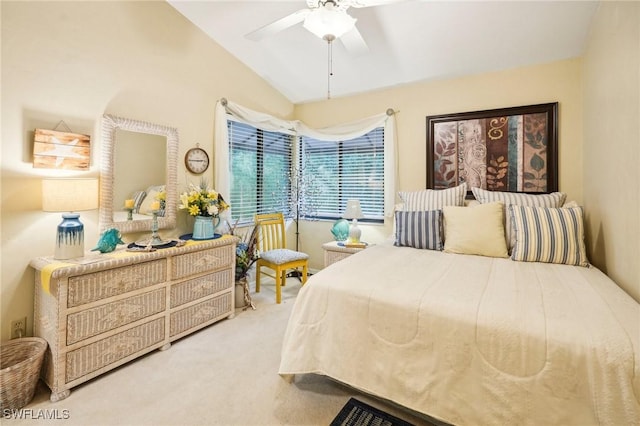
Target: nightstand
(334,252)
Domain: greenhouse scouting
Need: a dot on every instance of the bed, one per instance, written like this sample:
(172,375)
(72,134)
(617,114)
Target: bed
(472,339)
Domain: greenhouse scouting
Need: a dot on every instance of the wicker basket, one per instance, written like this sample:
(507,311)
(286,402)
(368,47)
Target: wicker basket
(20,363)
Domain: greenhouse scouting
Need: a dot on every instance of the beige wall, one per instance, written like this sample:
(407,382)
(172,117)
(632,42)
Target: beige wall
(612,143)
(559,81)
(75,61)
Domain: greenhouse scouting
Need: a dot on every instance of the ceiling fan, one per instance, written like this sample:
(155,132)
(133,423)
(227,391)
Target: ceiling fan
(327,19)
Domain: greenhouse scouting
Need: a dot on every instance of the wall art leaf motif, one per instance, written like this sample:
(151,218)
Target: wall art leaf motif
(444,166)
(472,152)
(509,149)
(535,155)
(496,172)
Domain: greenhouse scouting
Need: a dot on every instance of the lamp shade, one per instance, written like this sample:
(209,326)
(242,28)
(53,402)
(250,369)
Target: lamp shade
(353,210)
(327,21)
(69,195)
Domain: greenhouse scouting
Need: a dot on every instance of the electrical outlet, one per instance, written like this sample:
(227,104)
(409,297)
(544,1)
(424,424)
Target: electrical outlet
(19,328)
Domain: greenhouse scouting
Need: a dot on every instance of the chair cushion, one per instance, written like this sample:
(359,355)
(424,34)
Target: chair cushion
(280,256)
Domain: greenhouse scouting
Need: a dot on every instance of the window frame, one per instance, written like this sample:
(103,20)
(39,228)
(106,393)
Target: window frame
(260,153)
(295,157)
(342,146)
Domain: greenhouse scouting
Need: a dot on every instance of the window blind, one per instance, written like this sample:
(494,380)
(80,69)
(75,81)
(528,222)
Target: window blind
(345,170)
(260,169)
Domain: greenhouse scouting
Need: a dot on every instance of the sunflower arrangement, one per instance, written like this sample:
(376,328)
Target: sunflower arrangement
(202,200)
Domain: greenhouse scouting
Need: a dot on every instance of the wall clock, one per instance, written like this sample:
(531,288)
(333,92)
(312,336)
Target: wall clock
(196,160)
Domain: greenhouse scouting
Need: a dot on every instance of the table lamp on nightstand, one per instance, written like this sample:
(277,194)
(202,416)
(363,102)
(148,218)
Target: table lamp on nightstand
(354,212)
(69,195)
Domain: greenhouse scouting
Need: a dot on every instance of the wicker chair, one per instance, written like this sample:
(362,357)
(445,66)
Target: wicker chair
(274,255)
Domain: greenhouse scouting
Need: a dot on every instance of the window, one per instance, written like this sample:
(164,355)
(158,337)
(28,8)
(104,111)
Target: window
(260,169)
(340,171)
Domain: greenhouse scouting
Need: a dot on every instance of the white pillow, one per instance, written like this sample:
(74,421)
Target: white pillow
(554,199)
(475,230)
(433,199)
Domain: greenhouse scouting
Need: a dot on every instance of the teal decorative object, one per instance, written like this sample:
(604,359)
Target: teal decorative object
(108,241)
(340,230)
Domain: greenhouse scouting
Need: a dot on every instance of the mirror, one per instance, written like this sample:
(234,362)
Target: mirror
(137,156)
(130,175)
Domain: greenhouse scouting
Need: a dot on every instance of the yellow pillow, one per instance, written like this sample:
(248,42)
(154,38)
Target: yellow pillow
(475,230)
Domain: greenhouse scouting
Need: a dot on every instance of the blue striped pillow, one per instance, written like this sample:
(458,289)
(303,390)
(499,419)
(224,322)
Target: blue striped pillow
(137,200)
(550,235)
(419,229)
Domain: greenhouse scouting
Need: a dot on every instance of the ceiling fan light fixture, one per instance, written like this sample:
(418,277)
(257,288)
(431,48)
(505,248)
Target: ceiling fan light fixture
(327,21)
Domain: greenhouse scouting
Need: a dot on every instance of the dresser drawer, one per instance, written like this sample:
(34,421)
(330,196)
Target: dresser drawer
(107,351)
(91,322)
(99,285)
(198,262)
(198,288)
(200,313)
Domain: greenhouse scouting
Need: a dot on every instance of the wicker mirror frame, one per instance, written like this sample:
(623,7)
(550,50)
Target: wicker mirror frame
(110,124)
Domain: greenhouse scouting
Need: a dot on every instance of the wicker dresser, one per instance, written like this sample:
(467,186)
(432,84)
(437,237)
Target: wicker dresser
(112,308)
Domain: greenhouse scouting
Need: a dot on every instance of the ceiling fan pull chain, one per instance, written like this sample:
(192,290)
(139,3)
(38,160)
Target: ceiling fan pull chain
(330,73)
(329,39)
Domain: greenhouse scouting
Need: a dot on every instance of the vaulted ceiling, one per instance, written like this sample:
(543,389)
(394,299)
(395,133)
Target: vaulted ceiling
(408,41)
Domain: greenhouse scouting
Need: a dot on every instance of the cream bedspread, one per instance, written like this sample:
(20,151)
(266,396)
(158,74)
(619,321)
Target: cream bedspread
(472,340)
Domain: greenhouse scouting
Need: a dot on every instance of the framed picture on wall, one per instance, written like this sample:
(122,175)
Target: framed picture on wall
(508,149)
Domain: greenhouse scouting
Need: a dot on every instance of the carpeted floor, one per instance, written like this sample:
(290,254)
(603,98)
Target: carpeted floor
(225,374)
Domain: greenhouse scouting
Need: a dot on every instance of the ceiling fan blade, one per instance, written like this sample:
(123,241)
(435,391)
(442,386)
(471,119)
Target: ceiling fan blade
(369,3)
(354,43)
(279,25)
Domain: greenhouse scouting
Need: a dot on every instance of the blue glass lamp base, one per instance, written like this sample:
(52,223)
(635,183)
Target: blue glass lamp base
(70,237)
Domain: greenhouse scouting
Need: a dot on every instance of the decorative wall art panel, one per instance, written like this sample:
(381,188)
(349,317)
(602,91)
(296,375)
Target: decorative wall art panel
(61,150)
(508,149)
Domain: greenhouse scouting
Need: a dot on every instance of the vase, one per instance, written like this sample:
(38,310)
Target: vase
(70,241)
(204,227)
(239,295)
(242,294)
(340,230)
